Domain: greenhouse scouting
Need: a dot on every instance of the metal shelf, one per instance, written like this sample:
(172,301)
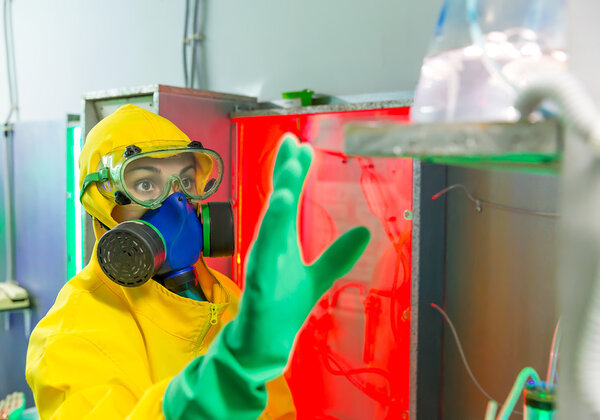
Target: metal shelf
(522,146)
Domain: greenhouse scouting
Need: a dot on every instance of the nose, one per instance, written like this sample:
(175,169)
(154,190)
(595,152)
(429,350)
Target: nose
(175,187)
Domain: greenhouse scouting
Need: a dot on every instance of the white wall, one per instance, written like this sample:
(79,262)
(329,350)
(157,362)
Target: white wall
(259,48)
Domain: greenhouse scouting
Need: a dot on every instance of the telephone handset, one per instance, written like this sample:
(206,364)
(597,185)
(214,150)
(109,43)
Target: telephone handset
(13,296)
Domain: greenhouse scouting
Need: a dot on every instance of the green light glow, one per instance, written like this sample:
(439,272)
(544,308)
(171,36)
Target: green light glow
(74,212)
(78,210)
(538,414)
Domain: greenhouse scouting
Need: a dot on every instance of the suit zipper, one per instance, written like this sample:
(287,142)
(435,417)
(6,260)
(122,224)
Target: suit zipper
(212,320)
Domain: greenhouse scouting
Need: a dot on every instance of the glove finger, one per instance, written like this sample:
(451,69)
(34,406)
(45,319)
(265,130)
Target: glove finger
(291,177)
(272,234)
(287,149)
(339,258)
(305,155)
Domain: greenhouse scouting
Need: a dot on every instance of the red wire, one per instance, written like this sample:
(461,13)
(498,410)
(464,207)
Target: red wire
(375,395)
(335,294)
(386,398)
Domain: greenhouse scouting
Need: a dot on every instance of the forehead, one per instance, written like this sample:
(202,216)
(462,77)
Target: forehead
(175,163)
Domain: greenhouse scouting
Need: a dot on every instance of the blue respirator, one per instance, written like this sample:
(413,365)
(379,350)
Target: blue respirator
(166,243)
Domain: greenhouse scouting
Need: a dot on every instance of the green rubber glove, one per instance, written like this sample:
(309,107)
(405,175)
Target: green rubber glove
(280,291)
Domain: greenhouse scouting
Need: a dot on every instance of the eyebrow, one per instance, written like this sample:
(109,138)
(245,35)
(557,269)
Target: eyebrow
(146,168)
(187,168)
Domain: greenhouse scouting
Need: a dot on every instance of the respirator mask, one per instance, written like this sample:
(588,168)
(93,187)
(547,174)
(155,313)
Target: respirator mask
(166,242)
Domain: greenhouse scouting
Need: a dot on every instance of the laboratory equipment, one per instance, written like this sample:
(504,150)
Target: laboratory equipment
(483,53)
(352,358)
(539,403)
(464,223)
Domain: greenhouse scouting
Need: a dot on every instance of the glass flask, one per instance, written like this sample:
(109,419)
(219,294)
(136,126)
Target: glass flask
(483,52)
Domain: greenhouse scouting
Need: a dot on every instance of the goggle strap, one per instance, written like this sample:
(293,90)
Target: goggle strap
(100,176)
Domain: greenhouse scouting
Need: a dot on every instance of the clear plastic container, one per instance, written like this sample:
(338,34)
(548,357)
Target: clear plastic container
(483,52)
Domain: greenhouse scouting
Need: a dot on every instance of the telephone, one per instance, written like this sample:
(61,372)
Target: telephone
(13,296)
(11,408)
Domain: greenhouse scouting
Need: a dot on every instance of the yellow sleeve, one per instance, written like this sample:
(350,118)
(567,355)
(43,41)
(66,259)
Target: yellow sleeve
(72,378)
(280,405)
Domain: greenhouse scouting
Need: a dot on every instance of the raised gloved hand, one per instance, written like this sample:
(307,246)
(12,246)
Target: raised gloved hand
(280,291)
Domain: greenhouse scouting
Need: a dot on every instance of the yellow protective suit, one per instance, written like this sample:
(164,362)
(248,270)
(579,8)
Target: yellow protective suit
(108,352)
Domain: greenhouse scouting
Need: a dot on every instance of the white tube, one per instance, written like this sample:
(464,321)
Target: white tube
(581,114)
(490,411)
(578,109)
(588,362)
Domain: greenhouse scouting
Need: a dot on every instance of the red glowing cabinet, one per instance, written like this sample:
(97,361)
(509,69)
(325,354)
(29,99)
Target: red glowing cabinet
(351,359)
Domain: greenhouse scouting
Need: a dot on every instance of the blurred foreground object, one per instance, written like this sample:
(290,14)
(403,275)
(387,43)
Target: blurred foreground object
(483,52)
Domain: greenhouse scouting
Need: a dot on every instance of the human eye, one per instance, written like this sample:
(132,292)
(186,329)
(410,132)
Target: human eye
(144,186)
(188,183)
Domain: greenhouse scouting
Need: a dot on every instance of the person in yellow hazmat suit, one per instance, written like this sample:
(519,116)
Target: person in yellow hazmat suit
(146,330)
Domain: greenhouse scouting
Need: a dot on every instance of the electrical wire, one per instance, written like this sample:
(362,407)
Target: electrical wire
(336,293)
(193,42)
(8,136)
(202,59)
(8,59)
(349,374)
(13,61)
(10,64)
(393,317)
(185,42)
(371,188)
(371,184)
(553,360)
(202,68)
(384,399)
(462,353)
(10,268)
(479,202)
(492,403)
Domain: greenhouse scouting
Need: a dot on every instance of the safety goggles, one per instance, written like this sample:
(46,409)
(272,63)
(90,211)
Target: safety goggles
(147,177)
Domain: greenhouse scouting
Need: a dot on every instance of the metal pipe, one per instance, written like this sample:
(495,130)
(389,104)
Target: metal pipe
(185,42)
(13,61)
(10,268)
(194,40)
(7,51)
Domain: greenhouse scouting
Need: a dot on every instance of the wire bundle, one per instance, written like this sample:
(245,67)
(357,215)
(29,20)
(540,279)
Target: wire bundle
(10,61)
(195,41)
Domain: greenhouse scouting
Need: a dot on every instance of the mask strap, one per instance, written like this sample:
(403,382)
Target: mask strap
(100,176)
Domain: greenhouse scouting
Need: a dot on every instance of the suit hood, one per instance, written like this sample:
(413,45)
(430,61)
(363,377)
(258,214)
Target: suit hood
(128,125)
